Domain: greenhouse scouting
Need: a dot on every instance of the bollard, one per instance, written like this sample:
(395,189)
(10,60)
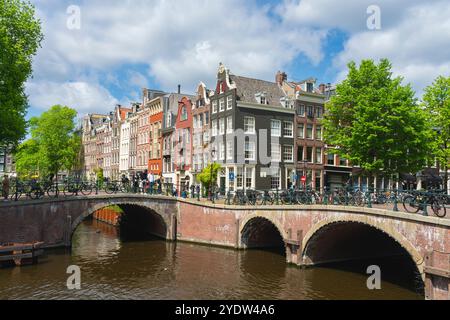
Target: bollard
(395,202)
(369,200)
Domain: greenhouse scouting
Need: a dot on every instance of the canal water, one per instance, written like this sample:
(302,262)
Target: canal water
(116,268)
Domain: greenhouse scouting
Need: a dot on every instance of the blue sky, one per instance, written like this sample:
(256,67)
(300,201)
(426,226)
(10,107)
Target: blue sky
(122,46)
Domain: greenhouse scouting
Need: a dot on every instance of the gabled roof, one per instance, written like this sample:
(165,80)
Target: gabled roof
(248,88)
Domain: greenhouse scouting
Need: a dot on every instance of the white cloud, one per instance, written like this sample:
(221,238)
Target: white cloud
(82,96)
(414,34)
(180,41)
(418,47)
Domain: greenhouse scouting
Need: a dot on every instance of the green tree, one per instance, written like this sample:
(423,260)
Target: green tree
(55,140)
(375,122)
(209,175)
(436,101)
(20,38)
(28,160)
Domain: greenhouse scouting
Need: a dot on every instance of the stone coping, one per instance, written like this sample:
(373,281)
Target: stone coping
(361,210)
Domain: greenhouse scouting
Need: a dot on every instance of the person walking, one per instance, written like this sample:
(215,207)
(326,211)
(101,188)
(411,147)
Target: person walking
(5,187)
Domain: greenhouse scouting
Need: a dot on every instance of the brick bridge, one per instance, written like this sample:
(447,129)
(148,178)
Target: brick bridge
(311,235)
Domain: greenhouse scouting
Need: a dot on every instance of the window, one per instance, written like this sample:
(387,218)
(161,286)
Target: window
(229,124)
(309,131)
(229,102)
(200,121)
(222,105)
(184,114)
(309,87)
(319,112)
(310,111)
(318,155)
(229,150)
(301,130)
(301,110)
(288,130)
(214,128)
(214,106)
(343,162)
(300,154)
(195,121)
(221,126)
(275,152)
(205,137)
(239,177)
(275,126)
(249,150)
(275,180)
(318,133)
(263,100)
(222,151)
(288,153)
(249,125)
(309,154)
(330,159)
(249,177)
(206,118)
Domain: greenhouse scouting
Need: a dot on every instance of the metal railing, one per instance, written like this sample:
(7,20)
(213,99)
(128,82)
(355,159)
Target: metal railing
(411,201)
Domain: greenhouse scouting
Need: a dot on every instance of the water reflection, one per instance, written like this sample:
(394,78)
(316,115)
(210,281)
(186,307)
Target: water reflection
(153,269)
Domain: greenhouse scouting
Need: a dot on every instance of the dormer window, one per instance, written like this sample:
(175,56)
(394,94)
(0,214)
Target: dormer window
(309,87)
(261,98)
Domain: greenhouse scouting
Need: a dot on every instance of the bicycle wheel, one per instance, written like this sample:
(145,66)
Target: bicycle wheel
(438,208)
(110,188)
(36,193)
(69,190)
(259,199)
(52,191)
(86,189)
(410,204)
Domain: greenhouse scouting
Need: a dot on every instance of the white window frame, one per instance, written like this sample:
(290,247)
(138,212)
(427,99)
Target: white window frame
(221,126)
(229,102)
(291,159)
(247,126)
(230,125)
(275,153)
(222,104)
(230,150)
(291,135)
(214,106)
(275,132)
(250,146)
(214,128)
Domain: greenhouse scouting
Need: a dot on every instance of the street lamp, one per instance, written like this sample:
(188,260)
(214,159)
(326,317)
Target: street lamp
(213,153)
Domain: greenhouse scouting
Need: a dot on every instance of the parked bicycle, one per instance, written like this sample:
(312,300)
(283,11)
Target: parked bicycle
(416,201)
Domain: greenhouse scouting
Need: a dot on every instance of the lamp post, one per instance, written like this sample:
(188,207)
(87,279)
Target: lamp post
(213,153)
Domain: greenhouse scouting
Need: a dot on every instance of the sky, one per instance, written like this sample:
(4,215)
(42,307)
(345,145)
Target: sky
(99,53)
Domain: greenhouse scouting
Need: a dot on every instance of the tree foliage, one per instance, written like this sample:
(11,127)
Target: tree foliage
(206,178)
(375,122)
(436,101)
(20,38)
(54,143)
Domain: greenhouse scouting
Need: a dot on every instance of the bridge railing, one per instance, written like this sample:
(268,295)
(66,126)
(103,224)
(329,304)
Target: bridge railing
(412,201)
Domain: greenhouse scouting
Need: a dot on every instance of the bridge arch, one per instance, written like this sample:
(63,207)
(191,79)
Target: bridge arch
(317,233)
(260,230)
(162,228)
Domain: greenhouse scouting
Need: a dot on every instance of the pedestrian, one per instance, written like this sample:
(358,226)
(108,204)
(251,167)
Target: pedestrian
(5,187)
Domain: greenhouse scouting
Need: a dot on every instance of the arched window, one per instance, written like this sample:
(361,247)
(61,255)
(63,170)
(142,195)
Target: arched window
(184,113)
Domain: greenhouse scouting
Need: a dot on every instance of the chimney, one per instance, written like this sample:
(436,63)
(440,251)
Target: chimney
(280,78)
(179,89)
(322,88)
